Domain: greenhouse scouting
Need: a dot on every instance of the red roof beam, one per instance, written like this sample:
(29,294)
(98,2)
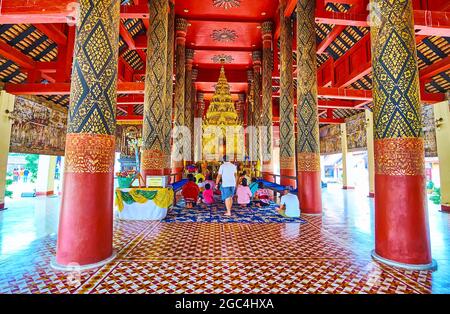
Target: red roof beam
(331,120)
(354,64)
(52,32)
(337,30)
(435,68)
(126,36)
(64,88)
(429,23)
(325,73)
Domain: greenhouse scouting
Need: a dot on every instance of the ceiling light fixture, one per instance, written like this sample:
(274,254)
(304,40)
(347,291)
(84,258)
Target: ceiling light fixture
(186,10)
(263,13)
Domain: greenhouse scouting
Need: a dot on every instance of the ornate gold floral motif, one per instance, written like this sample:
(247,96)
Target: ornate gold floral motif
(89,153)
(307,117)
(308,161)
(287,162)
(154,159)
(93,95)
(396,93)
(399,156)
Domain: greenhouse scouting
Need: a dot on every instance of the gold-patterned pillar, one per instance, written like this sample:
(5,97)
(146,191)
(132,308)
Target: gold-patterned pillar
(240,107)
(308,155)
(256,117)
(266,108)
(154,158)
(169,88)
(86,219)
(401,220)
(198,126)
(189,109)
(193,112)
(249,117)
(179,108)
(287,135)
(240,154)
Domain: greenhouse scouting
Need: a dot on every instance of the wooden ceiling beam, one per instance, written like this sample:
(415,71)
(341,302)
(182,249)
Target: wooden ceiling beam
(52,32)
(338,29)
(435,68)
(16,56)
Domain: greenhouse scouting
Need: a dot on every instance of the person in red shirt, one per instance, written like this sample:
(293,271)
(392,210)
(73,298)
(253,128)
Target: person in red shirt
(190,191)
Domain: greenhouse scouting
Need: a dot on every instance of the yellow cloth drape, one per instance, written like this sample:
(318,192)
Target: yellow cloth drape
(163,198)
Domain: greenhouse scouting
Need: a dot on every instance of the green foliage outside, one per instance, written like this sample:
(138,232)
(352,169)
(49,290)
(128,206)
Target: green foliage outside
(436,196)
(32,166)
(9,181)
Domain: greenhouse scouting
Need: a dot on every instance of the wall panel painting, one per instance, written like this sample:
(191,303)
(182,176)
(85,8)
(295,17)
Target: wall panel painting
(356,132)
(37,128)
(330,139)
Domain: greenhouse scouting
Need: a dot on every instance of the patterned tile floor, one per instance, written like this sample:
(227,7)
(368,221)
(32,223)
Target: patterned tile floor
(328,254)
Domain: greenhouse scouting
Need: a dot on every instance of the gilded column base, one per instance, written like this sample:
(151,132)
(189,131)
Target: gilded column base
(287,168)
(154,162)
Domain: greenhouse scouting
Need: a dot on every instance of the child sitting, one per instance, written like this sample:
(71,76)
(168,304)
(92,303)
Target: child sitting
(262,195)
(201,184)
(243,193)
(190,191)
(208,195)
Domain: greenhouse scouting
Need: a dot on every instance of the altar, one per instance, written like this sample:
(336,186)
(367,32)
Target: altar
(143,203)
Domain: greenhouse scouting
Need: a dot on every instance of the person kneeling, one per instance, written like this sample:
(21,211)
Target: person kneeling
(190,192)
(289,204)
(243,194)
(262,196)
(208,195)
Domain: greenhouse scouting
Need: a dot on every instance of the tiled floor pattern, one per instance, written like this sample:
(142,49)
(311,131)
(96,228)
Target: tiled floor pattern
(325,255)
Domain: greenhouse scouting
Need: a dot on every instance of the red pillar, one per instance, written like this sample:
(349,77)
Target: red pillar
(86,219)
(155,155)
(308,156)
(266,108)
(180,80)
(401,219)
(287,136)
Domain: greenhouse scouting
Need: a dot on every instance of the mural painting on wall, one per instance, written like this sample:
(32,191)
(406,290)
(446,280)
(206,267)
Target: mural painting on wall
(429,131)
(330,139)
(126,135)
(356,132)
(37,128)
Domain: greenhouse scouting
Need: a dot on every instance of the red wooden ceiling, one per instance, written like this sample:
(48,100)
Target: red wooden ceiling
(215,31)
(205,17)
(247,10)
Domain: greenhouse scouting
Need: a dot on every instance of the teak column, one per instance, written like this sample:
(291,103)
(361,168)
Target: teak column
(86,217)
(287,135)
(402,234)
(256,117)
(308,155)
(169,88)
(188,106)
(154,157)
(266,110)
(179,107)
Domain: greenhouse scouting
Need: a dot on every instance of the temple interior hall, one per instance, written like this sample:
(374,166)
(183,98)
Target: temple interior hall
(224,147)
